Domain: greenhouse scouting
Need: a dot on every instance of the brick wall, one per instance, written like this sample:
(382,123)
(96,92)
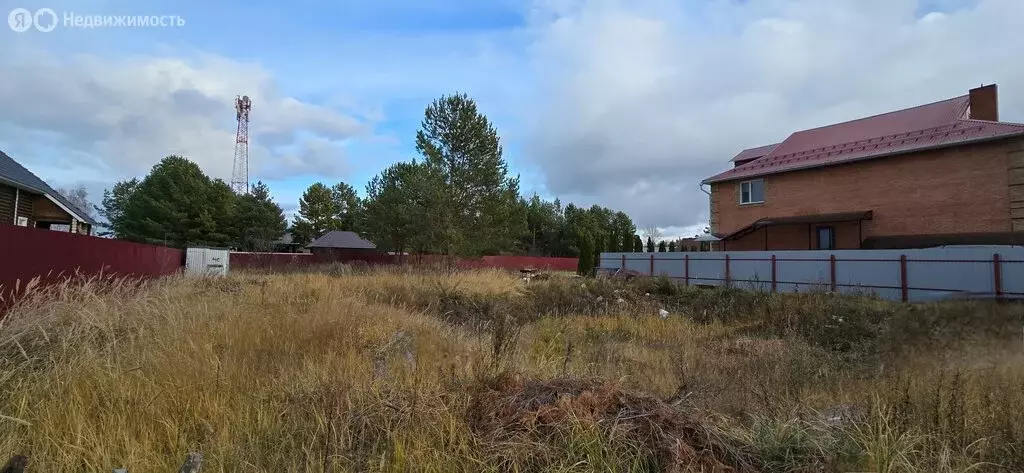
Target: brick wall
(954,190)
(1015,169)
(797,237)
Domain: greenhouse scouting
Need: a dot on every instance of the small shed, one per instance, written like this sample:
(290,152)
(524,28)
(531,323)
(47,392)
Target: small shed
(205,261)
(340,245)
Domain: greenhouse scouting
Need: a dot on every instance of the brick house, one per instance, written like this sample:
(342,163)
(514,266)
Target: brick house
(948,172)
(28,201)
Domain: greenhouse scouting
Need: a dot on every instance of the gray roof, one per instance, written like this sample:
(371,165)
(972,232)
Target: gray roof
(17,175)
(340,239)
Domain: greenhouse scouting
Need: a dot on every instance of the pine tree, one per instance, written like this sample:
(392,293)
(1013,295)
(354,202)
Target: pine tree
(638,244)
(481,212)
(398,207)
(258,220)
(176,204)
(672,246)
(347,206)
(650,245)
(662,247)
(318,212)
(112,208)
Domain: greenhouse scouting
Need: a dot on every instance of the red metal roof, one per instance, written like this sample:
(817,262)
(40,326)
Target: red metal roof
(935,125)
(752,153)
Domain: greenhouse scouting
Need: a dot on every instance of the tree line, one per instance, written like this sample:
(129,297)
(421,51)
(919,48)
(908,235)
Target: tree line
(457,198)
(178,205)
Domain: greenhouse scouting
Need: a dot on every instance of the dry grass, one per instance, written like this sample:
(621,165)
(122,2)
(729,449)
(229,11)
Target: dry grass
(405,371)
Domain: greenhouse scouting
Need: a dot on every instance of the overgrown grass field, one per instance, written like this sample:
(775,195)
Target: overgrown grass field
(481,372)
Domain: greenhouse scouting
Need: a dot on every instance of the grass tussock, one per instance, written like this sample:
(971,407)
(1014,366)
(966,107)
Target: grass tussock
(397,370)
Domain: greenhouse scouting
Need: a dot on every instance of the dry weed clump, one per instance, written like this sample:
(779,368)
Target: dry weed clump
(520,418)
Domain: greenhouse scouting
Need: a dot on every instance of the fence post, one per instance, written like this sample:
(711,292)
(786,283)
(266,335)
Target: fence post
(903,278)
(686,269)
(832,270)
(652,264)
(623,261)
(774,279)
(726,270)
(997,272)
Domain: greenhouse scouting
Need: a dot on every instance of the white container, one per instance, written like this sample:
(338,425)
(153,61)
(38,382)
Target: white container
(203,261)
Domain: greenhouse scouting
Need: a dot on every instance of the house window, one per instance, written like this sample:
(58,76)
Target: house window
(752,192)
(826,238)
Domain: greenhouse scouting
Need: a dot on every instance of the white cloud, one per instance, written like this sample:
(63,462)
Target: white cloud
(640,100)
(122,115)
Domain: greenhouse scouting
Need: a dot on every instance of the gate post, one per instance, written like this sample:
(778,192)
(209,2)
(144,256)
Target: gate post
(652,264)
(774,279)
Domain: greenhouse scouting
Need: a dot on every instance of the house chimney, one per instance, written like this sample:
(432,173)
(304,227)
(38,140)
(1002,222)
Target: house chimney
(985,103)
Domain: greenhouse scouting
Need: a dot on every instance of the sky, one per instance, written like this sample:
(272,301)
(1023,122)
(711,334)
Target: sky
(623,103)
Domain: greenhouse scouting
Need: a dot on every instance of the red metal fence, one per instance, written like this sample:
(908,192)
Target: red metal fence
(26,253)
(284,260)
(239,260)
(519,262)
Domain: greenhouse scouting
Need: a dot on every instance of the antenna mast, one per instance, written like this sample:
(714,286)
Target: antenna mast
(240,171)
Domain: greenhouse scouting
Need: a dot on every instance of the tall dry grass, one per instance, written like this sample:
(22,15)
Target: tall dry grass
(397,370)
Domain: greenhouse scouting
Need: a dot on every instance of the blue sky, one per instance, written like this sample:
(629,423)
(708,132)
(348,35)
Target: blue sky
(624,103)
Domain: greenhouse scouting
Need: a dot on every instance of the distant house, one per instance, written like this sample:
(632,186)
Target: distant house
(699,243)
(27,201)
(286,244)
(343,246)
(948,172)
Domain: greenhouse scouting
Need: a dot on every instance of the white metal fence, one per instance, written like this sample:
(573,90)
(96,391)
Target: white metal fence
(907,275)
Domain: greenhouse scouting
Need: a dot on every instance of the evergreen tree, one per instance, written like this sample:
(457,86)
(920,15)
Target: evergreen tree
(176,205)
(638,244)
(258,220)
(650,245)
(399,205)
(672,246)
(480,211)
(662,247)
(115,201)
(347,207)
(543,221)
(625,230)
(318,214)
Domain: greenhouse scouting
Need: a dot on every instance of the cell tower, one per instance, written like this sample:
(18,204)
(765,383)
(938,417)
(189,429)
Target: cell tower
(240,171)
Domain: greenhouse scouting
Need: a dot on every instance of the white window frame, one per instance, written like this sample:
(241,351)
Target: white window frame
(750,193)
